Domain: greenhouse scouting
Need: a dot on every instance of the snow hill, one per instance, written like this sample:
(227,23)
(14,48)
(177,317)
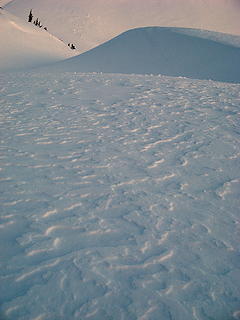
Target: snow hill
(168,51)
(90,23)
(24,46)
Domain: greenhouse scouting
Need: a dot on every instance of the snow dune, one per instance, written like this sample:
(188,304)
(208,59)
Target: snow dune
(188,53)
(24,46)
(89,23)
(119,197)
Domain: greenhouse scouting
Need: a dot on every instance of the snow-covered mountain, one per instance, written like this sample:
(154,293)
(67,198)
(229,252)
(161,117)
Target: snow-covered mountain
(24,45)
(169,51)
(175,52)
(90,23)
(119,193)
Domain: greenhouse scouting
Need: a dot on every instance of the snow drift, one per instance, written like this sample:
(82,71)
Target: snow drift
(24,45)
(168,51)
(90,23)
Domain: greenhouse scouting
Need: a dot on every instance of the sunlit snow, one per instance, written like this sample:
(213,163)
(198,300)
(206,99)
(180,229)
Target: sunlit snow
(24,45)
(89,23)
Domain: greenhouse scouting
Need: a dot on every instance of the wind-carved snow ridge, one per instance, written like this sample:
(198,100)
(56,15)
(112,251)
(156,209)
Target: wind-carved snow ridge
(119,197)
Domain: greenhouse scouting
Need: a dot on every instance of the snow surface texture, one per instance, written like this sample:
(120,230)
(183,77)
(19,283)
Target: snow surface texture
(90,23)
(119,198)
(188,53)
(24,45)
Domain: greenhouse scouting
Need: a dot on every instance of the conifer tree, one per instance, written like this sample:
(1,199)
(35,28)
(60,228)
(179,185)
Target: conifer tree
(30,17)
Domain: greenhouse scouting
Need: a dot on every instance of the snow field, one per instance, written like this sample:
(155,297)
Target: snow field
(119,197)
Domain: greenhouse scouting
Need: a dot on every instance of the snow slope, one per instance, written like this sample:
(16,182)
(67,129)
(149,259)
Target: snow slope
(24,46)
(90,23)
(168,51)
(119,198)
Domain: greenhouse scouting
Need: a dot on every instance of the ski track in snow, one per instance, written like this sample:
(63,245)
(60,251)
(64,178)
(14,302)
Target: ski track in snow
(119,197)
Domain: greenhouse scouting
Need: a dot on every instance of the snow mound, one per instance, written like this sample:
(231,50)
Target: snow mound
(90,23)
(25,46)
(168,51)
